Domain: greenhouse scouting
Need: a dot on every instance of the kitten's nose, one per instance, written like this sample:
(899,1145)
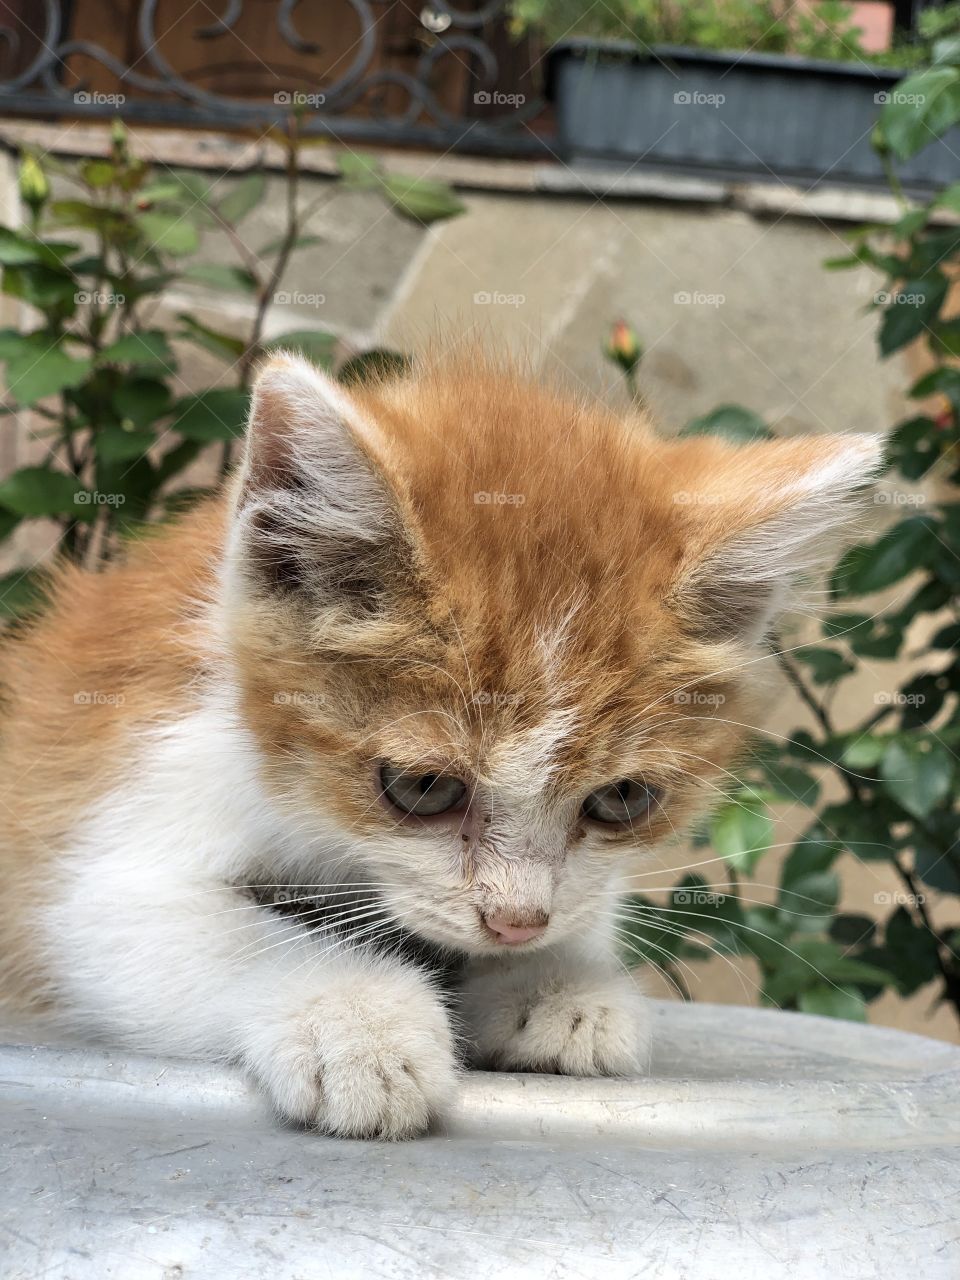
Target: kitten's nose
(511,932)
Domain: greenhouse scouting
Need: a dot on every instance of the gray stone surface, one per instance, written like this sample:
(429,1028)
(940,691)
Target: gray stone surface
(764,324)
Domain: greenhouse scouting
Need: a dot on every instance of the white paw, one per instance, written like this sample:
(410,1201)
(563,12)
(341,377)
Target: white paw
(593,1024)
(371,1057)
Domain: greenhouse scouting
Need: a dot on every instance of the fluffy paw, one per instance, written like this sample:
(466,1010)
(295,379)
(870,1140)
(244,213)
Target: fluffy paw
(588,1024)
(371,1057)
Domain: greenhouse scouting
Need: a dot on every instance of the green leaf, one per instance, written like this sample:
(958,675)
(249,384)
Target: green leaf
(946,52)
(865,752)
(360,170)
(741,833)
(792,783)
(731,421)
(212,415)
(98,173)
(923,108)
(948,198)
(816,894)
(911,310)
(869,567)
(864,828)
(699,907)
(16,249)
(37,374)
(917,774)
(912,950)
(817,961)
(421,200)
(937,866)
(235,279)
(114,444)
(377,365)
(20,593)
(52,291)
(301,242)
(852,930)
(910,223)
(41,491)
(833,1002)
(14,343)
(244,197)
(8,522)
(141,401)
(813,854)
(826,665)
(168,232)
(313,343)
(147,348)
(112,224)
(224,345)
(947,637)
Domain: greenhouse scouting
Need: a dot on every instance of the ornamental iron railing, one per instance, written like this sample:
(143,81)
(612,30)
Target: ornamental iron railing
(382,71)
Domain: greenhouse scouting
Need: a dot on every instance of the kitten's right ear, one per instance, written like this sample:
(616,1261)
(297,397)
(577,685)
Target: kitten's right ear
(313,513)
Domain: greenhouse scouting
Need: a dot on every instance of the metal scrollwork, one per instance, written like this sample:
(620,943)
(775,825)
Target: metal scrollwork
(438,82)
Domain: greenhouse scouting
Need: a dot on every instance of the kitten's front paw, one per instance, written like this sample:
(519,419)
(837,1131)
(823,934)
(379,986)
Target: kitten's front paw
(591,1024)
(371,1057)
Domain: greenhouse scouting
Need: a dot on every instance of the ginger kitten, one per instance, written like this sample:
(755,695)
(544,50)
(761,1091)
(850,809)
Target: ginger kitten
(409,693)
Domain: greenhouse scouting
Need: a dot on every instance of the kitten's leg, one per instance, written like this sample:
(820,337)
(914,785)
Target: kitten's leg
(570,1009)
(341,1038)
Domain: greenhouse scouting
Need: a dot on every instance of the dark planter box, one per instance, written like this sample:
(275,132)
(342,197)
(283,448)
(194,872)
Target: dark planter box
(722,114)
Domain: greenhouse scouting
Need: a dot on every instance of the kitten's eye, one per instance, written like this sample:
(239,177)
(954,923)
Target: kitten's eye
(620,802)
(422,794)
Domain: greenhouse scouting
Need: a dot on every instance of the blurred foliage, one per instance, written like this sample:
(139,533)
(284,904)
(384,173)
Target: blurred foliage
(100,373)
(824,30)
(885,790)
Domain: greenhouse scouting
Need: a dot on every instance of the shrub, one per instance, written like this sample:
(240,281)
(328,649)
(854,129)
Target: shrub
(102,375)
(897,770)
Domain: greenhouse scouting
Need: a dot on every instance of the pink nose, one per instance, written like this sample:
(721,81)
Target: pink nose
(511,934)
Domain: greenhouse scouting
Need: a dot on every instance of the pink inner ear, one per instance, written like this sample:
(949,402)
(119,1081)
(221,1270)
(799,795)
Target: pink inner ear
(765,515)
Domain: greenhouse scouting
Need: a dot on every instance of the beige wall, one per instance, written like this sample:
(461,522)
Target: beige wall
(726,290)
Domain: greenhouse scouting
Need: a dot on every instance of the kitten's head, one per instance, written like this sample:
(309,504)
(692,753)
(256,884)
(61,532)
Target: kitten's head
(493,641)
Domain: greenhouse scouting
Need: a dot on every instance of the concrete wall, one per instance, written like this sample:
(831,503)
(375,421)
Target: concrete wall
(725,287)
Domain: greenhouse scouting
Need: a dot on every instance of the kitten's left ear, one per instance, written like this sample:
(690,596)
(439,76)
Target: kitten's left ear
(759,515)
(314,514)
